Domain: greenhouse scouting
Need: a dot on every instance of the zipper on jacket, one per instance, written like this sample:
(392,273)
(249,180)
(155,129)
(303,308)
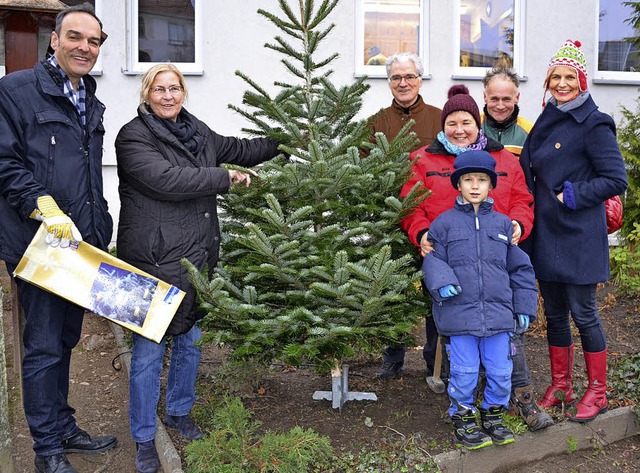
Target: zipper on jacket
(480,277)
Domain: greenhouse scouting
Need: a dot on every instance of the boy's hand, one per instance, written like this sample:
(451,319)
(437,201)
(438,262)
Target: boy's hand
(522,323)
(449,291)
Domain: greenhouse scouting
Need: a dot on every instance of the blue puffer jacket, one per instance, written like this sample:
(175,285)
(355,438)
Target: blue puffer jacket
(44,151)
(475,252)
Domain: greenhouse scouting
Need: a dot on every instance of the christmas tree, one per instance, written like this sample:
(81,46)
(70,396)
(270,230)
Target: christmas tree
(314,267)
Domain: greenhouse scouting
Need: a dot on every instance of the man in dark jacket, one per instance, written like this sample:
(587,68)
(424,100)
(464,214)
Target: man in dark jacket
(51,136)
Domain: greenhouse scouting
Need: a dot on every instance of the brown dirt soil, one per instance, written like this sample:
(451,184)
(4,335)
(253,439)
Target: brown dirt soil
(406,409)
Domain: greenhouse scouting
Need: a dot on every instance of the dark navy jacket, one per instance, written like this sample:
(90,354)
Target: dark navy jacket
(577,147)
(44,151)
(475,252)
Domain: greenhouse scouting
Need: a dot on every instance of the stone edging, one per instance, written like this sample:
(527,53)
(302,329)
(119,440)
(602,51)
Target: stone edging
(558,439)
(169,458)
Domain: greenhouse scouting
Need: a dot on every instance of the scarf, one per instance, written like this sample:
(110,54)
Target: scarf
(575,103)
(481,143)
(184,129)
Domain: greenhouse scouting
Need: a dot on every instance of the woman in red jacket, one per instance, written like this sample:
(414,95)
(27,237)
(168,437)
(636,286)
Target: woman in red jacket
(432,168)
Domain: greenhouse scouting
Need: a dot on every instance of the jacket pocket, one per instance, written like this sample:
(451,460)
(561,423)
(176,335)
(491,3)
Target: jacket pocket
(157,246)
(497,244)
(460,248)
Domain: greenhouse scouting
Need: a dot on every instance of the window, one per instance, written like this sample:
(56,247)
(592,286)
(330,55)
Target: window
(490,32)
(386,27)
(165,30)
(618,55)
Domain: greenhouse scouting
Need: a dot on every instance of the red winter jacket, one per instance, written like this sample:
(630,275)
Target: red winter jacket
(433,166)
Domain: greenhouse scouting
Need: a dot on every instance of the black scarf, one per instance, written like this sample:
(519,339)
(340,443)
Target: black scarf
(184,128)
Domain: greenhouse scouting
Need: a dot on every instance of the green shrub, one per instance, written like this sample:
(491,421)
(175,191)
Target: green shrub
(235,447)
(625,263)
(629,141)
(624,378)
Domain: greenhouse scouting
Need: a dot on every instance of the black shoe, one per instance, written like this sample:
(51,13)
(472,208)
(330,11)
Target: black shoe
(523,402)
(82,442)
(466,431)
(147,460)
(390,370)
(54,464)
(185,425)
(491,420)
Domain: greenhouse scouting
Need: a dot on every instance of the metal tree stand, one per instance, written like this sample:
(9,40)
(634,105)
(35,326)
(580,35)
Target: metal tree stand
(339,393)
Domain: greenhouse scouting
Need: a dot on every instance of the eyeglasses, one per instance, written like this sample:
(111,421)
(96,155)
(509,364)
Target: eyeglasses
(409,78)
(173,90)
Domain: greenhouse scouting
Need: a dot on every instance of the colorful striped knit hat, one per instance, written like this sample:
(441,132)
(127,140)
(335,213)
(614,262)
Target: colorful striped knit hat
(570,55)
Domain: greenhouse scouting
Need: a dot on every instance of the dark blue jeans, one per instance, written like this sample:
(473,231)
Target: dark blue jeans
(578,301)
(52,329)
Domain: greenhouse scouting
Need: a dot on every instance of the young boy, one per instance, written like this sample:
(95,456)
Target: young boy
(483,287)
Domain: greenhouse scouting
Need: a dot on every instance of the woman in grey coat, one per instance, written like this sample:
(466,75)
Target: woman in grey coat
(572,164)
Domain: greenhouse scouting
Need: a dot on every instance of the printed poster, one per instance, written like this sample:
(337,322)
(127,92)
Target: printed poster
(102,284)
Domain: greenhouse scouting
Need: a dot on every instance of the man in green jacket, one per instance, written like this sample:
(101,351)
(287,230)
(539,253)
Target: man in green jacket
(501,120)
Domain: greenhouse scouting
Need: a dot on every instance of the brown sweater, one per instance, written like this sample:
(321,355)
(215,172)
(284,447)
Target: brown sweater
(391,119)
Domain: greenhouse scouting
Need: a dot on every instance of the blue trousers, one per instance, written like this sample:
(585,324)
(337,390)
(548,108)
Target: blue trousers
(52,329)
(465,353)
(579,301)
(144,380)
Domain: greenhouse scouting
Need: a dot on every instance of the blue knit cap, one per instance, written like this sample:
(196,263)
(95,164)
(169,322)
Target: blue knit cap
(474,161)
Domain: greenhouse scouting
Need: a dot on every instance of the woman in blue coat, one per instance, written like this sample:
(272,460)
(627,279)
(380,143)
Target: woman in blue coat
(572,164)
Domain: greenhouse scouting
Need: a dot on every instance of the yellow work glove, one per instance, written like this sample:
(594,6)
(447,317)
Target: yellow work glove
(61,230)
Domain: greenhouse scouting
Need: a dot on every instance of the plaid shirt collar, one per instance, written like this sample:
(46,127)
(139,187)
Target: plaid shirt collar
(78,98)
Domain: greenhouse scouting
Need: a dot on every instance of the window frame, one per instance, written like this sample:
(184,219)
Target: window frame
(609,77)
(135,67)
(380,71)
(97,68)
(519,25)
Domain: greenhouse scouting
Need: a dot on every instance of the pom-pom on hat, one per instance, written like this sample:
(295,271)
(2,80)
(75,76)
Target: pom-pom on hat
(474,161)
(460,100)
(570,55)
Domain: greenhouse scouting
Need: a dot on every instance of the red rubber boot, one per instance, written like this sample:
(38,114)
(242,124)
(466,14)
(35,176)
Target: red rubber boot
(594,401)
(560,390)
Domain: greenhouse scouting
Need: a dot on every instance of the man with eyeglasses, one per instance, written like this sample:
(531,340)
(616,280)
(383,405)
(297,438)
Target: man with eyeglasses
(51,137)
(404,73)
(501,120)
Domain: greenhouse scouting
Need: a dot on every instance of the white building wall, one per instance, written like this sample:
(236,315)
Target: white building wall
(234,38)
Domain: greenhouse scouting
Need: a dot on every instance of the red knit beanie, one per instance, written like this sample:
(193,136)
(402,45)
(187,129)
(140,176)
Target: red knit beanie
(570,55)
(460,101)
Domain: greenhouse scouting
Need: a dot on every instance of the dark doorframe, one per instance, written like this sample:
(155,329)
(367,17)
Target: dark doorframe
(21,41)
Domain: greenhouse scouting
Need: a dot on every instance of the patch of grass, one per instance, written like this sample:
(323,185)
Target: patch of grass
(515,423)
(235,447)
(572,444)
